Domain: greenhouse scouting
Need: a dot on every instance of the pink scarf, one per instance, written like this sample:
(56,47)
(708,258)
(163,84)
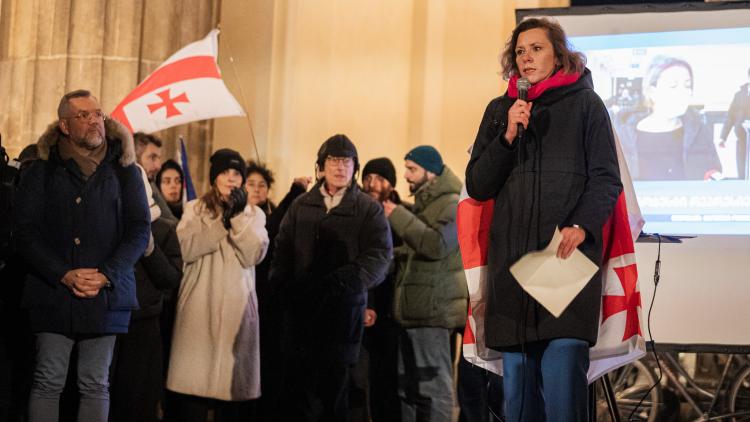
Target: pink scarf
(555,81)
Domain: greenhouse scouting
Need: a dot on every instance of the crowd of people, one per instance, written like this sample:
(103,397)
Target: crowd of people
(341,303)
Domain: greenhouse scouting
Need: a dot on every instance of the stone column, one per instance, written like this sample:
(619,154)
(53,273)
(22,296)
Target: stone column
(50,47)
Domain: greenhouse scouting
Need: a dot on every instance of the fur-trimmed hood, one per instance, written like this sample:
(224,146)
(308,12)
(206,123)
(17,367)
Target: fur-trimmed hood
(114,132)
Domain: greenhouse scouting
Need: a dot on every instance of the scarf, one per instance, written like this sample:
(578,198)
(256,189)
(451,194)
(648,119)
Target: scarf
(87,160)
(560,78)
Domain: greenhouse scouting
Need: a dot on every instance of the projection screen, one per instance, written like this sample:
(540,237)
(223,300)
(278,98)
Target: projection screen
(654,65)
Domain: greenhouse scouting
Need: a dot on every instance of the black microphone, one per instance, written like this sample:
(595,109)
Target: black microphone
(523,86)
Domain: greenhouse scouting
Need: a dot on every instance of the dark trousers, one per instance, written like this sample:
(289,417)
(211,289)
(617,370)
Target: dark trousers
(316,390)
(381,342)
(548,381)
(425,374)
(480,394)
(136,373)
(742,156)
(16,366)
(359,388)
(195,409)
(272,362)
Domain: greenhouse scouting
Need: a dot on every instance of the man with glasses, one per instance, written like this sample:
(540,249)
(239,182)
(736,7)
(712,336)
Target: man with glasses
(82,223)
(333,245)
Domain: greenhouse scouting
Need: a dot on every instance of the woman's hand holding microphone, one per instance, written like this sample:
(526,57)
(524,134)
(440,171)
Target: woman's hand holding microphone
(519,113)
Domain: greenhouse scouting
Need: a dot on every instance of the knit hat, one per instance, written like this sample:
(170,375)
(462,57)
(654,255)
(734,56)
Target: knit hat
(338,146)
(225,159)
(382,167)
(427,157)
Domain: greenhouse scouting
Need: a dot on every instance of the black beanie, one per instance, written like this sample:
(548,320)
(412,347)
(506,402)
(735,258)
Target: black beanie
(337,146)
(225,159)
(382,167)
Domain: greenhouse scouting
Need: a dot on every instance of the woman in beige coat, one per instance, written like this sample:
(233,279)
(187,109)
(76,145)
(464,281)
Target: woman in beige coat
(215,360)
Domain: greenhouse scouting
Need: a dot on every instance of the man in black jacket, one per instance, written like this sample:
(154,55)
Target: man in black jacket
(333,245)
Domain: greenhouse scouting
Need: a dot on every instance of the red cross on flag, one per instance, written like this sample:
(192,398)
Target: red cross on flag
(185,88)
(620,336)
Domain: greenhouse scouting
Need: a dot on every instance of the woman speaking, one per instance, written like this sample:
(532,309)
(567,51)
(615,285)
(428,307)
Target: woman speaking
(561,171)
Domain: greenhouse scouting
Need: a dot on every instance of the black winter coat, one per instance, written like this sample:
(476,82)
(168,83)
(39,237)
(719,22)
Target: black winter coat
(274,216)
(64,222)
(158,274)
(324,264)
(567,174)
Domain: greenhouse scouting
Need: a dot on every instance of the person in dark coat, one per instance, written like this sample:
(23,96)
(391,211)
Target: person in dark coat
(169,182)
(82,222)
(333,245)
(562,172)
(258,183)
(737,115)
(137,364)
(374,380)
(666,139)
(16,339)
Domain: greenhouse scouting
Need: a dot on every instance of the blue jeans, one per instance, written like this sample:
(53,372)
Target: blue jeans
(425,374)
(553,386)
(51,370)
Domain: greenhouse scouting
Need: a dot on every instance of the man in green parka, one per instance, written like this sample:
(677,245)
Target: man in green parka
(430,297)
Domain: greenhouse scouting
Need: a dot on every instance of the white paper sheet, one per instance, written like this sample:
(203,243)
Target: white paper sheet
(552,281)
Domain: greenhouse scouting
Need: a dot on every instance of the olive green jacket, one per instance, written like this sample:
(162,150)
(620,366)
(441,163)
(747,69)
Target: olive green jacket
(430,287)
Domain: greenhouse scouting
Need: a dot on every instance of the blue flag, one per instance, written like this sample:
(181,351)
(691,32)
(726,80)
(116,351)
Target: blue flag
(188,182)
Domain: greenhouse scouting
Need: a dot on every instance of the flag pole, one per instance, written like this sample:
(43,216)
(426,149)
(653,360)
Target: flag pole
(242,94)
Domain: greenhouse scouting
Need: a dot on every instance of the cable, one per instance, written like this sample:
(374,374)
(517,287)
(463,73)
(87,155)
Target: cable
(657,277)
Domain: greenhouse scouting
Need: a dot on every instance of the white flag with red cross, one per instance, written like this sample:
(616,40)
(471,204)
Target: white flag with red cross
(187,87)
(620,336)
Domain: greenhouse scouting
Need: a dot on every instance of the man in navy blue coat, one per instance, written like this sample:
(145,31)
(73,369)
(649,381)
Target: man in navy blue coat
(82,223)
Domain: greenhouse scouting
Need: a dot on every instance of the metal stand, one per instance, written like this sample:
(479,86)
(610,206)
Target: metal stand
(609,394)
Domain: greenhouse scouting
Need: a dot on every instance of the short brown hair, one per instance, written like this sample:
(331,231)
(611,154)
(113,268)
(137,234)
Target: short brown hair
(570,61)
(142,140)
(64,106)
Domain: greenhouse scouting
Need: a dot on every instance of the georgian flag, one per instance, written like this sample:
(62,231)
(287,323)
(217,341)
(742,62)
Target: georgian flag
(185,88)
(620,336)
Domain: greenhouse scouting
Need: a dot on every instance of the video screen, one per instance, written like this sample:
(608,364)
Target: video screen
(680,104)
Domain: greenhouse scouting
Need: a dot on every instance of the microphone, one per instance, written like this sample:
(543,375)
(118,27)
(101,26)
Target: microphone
(523,86)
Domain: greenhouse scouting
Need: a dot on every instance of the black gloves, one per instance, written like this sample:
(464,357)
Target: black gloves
(235,204)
